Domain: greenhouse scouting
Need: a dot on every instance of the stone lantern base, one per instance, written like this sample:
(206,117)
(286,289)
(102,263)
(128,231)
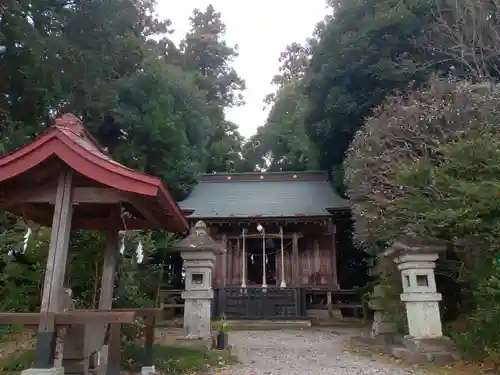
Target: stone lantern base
(421,351)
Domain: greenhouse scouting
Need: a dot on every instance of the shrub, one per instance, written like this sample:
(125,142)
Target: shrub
(407,130)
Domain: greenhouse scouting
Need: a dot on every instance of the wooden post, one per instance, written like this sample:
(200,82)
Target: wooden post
(335,278)
(114,343)
(295,259)
(243,260)
(108,270)
(149,341)
(317,259)
(229,262)
(237,263)
(329,303)
(55,271)
(108,274)
(224,260)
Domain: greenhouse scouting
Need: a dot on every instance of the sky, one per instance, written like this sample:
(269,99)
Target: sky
(262,29)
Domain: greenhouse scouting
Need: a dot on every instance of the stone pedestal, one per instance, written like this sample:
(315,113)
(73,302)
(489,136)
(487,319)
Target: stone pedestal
(198,251)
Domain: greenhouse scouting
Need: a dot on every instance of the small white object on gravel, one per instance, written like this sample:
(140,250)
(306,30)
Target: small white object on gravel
(302,352)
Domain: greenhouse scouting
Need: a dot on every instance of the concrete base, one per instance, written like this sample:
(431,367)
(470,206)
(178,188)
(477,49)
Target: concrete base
(194,342)
(414,351)
(147,370)
(44,371)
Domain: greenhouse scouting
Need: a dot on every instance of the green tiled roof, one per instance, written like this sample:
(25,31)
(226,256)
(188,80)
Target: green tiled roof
(245,195)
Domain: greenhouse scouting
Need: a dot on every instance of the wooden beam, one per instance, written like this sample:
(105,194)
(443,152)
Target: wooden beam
(103,224)
(80,195)
(69,318)
(270,235)
(146,213)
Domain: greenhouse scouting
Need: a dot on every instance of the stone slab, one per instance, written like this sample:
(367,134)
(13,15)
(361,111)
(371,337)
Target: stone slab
(421,358)
(410,350)
(148,370)
(44,371)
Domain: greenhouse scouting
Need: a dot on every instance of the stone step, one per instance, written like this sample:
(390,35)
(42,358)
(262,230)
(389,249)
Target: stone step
(243,325)
(344,322)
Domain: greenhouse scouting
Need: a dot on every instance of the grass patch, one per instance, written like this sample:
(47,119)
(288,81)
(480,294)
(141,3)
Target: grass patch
(171,360)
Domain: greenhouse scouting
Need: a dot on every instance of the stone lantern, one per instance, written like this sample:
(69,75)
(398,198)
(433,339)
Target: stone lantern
(382,328)
(198,251)
(415,260)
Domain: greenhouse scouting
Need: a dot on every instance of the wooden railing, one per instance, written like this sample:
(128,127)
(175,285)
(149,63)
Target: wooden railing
(332,298)
(112,319)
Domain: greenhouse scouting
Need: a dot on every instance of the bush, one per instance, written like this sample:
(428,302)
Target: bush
(407,131)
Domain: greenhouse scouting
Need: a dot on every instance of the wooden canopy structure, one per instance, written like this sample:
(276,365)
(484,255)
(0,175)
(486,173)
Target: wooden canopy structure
(29,176)
(64,179)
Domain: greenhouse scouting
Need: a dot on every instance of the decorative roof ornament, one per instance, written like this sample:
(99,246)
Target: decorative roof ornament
(199,240)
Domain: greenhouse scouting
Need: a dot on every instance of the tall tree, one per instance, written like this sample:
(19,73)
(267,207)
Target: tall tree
(224,149)
(366,50)
(282,144)
(206,52)
(466,32)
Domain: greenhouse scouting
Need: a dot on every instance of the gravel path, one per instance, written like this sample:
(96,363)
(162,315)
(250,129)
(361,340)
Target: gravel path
(308,352)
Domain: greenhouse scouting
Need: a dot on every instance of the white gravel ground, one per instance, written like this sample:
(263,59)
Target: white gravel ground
(307,352)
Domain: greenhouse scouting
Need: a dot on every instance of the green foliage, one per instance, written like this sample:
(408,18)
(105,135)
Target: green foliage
(171,360)
(457,199)
(388,293)
(480,341)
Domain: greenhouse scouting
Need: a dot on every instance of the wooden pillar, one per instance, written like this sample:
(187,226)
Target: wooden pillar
(295,259)
(316,258)
(149,339)
(109,269)
(236,278)
(113,367)
(55,271)
(108,273)
(229,262)
(335,279)
(224,260)
(329,303)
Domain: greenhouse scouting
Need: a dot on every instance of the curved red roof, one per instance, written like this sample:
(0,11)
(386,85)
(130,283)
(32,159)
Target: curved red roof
(69,141)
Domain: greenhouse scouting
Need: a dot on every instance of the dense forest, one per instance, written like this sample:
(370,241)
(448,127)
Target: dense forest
(159,107)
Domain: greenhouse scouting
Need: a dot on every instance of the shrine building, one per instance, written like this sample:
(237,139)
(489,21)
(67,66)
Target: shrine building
(279,229)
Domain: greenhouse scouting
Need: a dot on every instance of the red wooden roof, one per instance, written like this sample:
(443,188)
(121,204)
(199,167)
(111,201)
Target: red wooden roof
(71,143)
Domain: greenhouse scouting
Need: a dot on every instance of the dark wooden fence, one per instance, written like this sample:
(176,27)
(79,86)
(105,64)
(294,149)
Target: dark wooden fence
(254,302)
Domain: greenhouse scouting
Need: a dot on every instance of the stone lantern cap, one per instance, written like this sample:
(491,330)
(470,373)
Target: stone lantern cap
(411,244)
(199,240)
